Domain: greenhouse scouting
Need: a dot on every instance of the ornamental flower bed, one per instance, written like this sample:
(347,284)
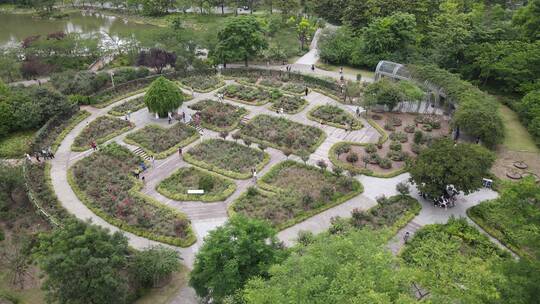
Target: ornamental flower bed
(290,104)
(392,211)
(292,192)
(334,116)
(203,83)
(100,130)
(248,94)
(161,142)
(219,116)
(227,157)
(283,134)
(271,82)
(104,182)
(216,187)
(130,106)
(294,87)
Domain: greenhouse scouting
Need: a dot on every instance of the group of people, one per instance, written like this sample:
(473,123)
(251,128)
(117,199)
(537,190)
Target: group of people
(44,154)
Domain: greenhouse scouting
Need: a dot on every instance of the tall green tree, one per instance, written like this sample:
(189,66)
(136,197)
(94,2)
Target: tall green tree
(305,29)
(447,163)
(83,263)
(163,96)
(384,92)
(352,268)
(527,19)
(232,254)
(241,38)
(151,266)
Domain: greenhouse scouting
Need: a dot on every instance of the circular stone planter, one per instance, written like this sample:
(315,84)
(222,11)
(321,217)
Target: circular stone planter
(520,165)
(513,175)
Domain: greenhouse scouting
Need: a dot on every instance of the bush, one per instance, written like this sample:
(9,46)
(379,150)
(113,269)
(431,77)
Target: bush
(395,146)
(385,163)
(403,188)
(410,128)
(342,149)
(418,137)
(370,148)
(206,183)
(399,136)
(396,155)
(322,164)
(427,128)
(352,157)
(416,148)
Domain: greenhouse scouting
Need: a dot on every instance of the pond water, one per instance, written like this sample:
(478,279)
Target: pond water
(16,27)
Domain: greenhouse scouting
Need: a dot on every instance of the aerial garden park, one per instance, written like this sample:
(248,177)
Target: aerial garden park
(269,152)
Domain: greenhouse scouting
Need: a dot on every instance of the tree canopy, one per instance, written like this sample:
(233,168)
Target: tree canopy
(232,254)
(447,163)
(241,38)
(163,96)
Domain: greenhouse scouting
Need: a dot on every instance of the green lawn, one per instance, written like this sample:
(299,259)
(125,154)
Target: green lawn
(516,136)
(16,145)
(346,69)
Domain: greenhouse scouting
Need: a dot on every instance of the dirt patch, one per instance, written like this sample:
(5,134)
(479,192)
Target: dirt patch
(506,159)
(401,123)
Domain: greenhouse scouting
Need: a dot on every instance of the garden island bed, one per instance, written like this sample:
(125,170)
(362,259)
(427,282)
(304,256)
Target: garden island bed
(162,142)
(100,130)
(292,192)
(250,95)
(283,134)
(334,116)
(104,182)
(290,104)
(227,157)
(202,83)
(130,106)
(388,158)
(216,187)
(219,116)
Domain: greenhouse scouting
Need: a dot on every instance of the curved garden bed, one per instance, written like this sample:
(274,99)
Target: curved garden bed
(292,192)
(216,187)
(283,134)
(219,116)
(104,183)
(161,142)
(334,116)
(100,130)
(249,95)
(202,83)
(227,157)
(289,104)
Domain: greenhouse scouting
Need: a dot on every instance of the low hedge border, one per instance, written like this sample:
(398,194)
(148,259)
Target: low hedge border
(186,87)
(235,175)
(73,121)
(333,124)
(109,102)
(332,155)
(497,234)
(202,198)
(135,191)
(102,140)
(300,109)
(166,153)
(304,215)
(381,131)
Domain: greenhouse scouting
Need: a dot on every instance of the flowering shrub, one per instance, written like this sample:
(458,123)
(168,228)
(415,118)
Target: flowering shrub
(247,94)
(283,134)
(202,83)
(104,181)
(162,142)
(100,130)
(294,87)
(132,105)
(219,116)
(290,104)
(226,157)
(335,116)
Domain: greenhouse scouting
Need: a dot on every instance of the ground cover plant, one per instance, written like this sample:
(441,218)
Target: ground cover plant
(292,191)
(202,83)
(283,134)
(16,144)
(248,94)
(395,212)
(457,262)
(334,116)
(104,182)
(216,188)
(289,104)
(513,218)
(100,130)
(130,106)
(226,157)
(219,116)
(162,142)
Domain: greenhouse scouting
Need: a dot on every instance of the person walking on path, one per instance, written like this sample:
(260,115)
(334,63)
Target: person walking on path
(406,237)
(192,93)
(358,111)
(307,91)
(180,152)
(129,115)
(313,68)
(183,116)
(28,157)
(254,175)
(143,181)
(37,157)
(93,145)
(153,161)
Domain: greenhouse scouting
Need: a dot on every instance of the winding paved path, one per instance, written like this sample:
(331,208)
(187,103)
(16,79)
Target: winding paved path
(208,216)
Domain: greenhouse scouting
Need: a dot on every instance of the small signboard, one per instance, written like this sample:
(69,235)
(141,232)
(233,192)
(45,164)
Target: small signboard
(196,191)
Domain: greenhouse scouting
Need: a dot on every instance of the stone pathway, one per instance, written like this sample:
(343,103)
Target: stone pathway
(207,216)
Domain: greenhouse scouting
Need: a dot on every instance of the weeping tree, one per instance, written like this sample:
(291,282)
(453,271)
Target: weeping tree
(163,97)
